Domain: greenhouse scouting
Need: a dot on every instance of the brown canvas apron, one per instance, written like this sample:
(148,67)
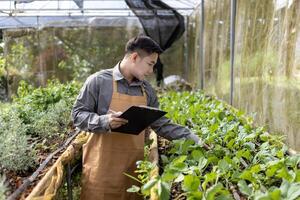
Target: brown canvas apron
(107,156)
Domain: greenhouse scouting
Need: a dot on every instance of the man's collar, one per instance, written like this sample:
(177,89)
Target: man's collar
(117,75)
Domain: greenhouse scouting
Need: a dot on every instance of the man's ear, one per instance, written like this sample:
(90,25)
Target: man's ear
(134,56)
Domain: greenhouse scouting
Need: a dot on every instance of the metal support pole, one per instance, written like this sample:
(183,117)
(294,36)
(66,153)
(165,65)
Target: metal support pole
(232,42)
(202,61)
(185,49)
(5,54)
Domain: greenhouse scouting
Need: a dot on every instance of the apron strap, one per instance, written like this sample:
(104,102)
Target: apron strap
(115,87)
(143,91)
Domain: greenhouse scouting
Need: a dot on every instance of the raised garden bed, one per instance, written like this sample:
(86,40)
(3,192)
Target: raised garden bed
(233,160)
(54,183)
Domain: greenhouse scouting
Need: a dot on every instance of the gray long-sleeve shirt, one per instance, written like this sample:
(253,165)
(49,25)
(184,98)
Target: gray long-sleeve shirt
(89,112)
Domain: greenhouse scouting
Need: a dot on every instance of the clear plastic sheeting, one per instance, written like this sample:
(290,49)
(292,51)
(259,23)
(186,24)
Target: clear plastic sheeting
(267,78)
(67,53)
(62,53)
(216,45)
(267,60)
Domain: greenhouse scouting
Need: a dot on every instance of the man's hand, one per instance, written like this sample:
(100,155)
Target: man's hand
(114,120)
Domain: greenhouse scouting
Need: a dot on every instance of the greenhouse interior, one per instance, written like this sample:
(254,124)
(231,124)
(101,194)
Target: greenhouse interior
(226,75)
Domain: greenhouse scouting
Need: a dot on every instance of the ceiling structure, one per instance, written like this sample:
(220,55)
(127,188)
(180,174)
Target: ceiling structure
(79,7)
(40,13)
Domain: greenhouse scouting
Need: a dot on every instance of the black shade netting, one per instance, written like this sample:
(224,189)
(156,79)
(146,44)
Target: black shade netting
(160,22)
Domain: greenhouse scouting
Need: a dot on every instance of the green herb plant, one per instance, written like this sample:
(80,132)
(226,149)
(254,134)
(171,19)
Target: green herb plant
(36,120)
(16,153)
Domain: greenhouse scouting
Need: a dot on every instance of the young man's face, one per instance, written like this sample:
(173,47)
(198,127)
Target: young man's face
(144,66)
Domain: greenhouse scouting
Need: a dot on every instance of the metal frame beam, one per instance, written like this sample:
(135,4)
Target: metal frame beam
(90,9)
(202,46)
(232,42)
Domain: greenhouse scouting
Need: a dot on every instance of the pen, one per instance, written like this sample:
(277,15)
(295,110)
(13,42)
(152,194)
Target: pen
(112,111)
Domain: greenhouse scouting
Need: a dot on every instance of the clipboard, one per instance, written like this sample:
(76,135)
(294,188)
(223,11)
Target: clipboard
(139,118)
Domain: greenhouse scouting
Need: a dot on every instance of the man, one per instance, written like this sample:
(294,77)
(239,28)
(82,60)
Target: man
(105,95)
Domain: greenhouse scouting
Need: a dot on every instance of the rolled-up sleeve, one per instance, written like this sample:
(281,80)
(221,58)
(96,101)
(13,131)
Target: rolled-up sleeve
(165,127)
(84,112)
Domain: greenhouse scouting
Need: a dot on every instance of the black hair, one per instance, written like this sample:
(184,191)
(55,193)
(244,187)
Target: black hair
(142,43)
